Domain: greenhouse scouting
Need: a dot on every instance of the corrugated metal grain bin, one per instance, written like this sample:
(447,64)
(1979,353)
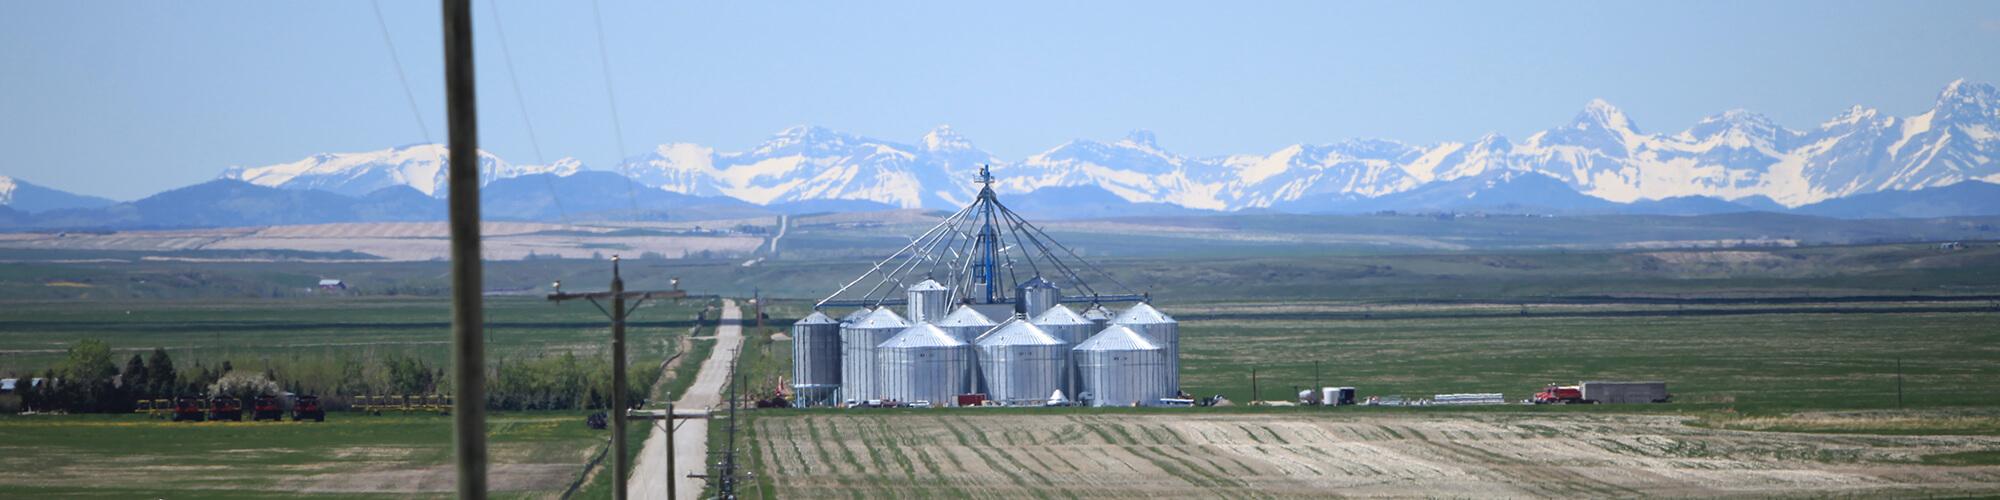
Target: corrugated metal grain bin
(1625,392)
(1099,316)
(1163,330)
(1036,295)
(923,363)
(1023,365)
(929,302)
(1121,367)
(861,312)
(1065,324)
(857,352)
(966,324)
(816,359)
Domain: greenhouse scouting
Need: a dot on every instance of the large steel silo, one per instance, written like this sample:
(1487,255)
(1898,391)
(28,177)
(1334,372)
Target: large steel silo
(1121,367)
(1022,364)
(923,363)
(857,352)
(1163,330)
(859,312)
(929,302)
(816,359)
(1099,316)
(1064,324)
(965,324)
(1036,295)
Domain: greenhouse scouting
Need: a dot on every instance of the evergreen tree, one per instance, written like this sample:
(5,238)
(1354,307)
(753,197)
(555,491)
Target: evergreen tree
(134,380)
(160,374)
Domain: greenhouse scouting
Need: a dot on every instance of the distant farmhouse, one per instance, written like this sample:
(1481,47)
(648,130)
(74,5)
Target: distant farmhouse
(332,285)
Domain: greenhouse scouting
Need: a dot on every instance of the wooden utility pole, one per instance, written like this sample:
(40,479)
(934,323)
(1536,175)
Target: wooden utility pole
(468,338)
(619,407)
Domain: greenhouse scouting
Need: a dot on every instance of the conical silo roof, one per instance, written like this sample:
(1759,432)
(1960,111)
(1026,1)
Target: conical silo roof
(965,316)
(881,318)
(921,335)
(1097,312)
(1019,333)
(1060,315)
(861,312)
(1142,314)
(926,285)
(1117,338)
(816,318)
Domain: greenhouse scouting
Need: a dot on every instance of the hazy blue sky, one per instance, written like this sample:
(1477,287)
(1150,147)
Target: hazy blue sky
(124,99)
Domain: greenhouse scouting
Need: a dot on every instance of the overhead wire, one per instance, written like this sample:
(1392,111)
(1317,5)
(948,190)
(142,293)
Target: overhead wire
(611,96)
(521,101)
(409,94)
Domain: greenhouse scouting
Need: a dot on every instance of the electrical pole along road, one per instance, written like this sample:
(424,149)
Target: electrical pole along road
(691,439)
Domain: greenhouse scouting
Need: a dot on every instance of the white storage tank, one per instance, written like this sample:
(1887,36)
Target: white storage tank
(1065,324)
(816,359)
(1099,316)
(923,363)
(1121,367)
(857,352)
(966,324)
(928,302)
(1023,365)
(1164,331)
(1036,295)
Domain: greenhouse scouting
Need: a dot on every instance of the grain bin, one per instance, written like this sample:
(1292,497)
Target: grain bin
(859,312)
(929,302)
(1036,295)
(1099,316)
(816,359)
(965,324)
(1022,364)
(1121,367)
(857,353)
(1064,324)
(923,363)
(1164,331)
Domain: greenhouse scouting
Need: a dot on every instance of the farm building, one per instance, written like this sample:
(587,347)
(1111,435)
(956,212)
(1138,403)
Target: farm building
(989,307)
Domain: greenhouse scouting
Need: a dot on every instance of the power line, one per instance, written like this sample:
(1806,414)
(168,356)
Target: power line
(617,130)
(397,61)
(534,141)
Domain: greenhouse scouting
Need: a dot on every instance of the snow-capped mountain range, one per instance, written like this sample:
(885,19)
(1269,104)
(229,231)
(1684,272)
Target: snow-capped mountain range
(1734,155)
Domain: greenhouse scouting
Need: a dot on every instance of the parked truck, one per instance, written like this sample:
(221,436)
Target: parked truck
(1593,392)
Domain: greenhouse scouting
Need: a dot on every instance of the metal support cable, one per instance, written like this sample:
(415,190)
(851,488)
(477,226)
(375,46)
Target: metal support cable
(1072,253)
(617,129)
(883,262)
(520,101)
(1057,262)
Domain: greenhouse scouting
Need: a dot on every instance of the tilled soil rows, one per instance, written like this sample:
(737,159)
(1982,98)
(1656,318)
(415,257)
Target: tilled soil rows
(965,454)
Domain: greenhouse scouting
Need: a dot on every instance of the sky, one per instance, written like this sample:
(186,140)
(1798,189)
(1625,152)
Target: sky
(125,99)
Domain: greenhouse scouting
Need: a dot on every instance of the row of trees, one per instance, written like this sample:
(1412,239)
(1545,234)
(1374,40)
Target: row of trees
(87,381)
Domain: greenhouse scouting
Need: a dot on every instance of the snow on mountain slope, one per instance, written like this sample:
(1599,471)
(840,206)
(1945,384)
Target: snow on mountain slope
(419,166)
(814,163)
(1735,155)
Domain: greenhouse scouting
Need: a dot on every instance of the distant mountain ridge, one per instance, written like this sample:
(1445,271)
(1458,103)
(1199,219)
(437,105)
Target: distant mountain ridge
(1861,163)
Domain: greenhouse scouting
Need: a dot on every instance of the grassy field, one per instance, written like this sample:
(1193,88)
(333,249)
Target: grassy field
(35,334)
(535,454)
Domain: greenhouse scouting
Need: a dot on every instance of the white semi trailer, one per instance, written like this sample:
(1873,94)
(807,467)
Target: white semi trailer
(1625,392)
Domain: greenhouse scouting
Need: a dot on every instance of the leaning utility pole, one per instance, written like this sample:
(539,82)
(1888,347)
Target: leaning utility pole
(617,295)
(468,339)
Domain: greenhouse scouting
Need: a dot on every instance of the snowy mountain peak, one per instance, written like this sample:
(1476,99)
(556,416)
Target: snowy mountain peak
(1857,114)
(943,138)
(419,166)
(1141,139)
(1969,100)
(1601,114)
(7,186)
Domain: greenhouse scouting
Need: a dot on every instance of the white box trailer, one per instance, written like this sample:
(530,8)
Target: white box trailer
(1625,392)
